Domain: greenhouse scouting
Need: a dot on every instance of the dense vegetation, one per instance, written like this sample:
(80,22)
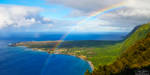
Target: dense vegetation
(108,54)
(70,44)
(138,33)
(135,57)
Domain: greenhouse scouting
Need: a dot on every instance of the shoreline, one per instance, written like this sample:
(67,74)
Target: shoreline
(40,50)
(89,62)
(91,65)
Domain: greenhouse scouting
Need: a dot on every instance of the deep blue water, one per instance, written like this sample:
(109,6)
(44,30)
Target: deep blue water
(24,61)
(58,36)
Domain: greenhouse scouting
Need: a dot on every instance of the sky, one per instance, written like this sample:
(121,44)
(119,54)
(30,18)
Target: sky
(72,15)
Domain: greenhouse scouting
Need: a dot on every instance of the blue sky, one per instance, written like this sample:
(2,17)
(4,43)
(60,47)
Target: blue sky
(50,10)
(65,15)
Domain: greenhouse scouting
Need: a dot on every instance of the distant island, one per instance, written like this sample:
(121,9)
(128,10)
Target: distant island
(104,55)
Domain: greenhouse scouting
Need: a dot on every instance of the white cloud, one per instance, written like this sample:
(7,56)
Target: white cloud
(138,4)
(85,5)
(96,25)
(135,12)
(20,16)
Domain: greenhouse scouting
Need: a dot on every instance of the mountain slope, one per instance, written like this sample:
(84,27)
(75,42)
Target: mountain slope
(129,34)
(108,54)
(134,58)
(134,54)
(138,33)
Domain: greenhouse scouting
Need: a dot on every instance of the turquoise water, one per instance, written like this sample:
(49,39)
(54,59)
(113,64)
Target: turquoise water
(24,61)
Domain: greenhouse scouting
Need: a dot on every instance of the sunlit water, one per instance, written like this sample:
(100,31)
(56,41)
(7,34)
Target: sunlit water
(24,61)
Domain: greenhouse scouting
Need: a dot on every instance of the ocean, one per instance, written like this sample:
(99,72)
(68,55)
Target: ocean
(24,61)
(57,36)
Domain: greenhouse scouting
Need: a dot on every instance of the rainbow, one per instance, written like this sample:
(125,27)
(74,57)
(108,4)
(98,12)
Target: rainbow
(99,12)
(94,14)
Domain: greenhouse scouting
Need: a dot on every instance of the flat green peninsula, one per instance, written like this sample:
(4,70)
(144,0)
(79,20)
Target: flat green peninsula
(89,50)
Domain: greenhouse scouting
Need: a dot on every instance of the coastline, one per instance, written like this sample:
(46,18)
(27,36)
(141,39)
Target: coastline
(40,50)
(91,65)
(89,62)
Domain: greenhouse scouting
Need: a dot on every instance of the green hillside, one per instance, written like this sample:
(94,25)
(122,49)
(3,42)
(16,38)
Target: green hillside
(134,58)
(117,54)
(108,54)
(138,33)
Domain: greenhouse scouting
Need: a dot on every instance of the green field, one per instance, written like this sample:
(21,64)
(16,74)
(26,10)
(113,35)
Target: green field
(136,57)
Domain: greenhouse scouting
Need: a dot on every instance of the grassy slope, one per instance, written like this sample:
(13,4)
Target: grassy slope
(135,57)
(140,33)
(108,54)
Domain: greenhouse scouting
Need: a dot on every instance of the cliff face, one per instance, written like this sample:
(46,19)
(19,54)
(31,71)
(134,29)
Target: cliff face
(135,57)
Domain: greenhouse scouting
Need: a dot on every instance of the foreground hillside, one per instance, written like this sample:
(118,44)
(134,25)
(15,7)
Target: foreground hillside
(134,58)
(108,54)
(138,33)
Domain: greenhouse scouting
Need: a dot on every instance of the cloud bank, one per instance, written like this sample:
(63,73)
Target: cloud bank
(20,16)
(135,12)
